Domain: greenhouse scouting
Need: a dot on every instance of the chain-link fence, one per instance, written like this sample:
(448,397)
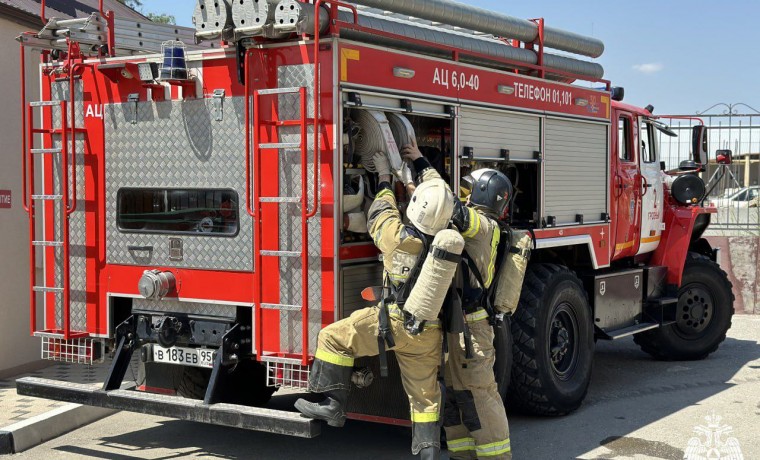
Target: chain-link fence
(734,189)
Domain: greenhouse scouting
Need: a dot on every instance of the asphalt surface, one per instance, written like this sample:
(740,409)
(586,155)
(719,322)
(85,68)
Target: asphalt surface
(637,408)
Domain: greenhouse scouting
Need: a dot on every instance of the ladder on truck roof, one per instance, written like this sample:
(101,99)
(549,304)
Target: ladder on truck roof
(102,34)
(255,203)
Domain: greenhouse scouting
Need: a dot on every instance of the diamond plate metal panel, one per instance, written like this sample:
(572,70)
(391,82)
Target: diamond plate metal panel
(189,308)
(290,180)
(77,224)
(177,144)
(295,76)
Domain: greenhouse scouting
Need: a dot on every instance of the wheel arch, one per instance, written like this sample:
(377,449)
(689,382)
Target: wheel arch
(683,228)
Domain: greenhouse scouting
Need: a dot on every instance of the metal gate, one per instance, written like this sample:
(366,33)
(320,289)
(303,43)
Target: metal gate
(736,191)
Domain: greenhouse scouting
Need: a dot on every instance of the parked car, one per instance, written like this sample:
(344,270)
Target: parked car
(738,198)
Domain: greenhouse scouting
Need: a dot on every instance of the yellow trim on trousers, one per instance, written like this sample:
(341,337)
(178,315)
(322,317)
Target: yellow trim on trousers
(334,358)
(461,445)
(479,315)
(424,417)
(493,449)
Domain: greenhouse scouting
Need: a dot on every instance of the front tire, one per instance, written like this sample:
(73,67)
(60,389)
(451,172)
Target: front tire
(705,308)
(553,342)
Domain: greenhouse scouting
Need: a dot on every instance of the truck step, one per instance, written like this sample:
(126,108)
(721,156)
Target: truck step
(48,243)
(662,301)
(277,306)
(269,92)
(628,331)
(47,197)
(44,151)
(44,103)
(47,289)
(249,418)
(279,199)
(281,253)
(281,145)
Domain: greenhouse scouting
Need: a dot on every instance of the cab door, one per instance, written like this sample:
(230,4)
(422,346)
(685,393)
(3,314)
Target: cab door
(626,195)
(651,188)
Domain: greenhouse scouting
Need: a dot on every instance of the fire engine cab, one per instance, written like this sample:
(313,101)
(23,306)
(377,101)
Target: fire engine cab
(188,200)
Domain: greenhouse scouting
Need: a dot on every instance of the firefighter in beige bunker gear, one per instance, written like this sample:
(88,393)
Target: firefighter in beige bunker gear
(475,420)
(418,351)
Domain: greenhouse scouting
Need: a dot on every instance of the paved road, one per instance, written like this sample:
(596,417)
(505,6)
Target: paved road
(637,409)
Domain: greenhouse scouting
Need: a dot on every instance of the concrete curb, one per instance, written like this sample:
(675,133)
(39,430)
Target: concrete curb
(36,430)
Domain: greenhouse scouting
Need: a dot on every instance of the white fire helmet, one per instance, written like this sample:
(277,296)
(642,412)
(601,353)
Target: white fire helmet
(431,207)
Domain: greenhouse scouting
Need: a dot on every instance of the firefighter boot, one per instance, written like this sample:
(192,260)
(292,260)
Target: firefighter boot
(332,409)
(430,453)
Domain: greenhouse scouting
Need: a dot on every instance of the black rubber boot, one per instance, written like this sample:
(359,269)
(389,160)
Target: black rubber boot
(332,409)
(430,453)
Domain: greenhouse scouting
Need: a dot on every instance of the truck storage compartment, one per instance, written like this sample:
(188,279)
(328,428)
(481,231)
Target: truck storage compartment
(576,177)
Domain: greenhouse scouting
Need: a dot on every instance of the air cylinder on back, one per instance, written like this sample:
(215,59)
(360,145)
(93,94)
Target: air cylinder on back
(430,288)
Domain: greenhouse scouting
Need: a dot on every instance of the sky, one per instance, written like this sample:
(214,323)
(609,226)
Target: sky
(680,56)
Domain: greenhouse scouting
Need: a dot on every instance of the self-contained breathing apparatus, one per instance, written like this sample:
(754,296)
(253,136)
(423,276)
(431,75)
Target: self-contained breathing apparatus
(420,299)
(398,296)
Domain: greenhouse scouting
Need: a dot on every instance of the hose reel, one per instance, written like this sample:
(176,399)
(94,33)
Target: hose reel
(380,133)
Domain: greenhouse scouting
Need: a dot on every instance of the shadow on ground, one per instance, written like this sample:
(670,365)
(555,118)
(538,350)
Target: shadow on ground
(629,391)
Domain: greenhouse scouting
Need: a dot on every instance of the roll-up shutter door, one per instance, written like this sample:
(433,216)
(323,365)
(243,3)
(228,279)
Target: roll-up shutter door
(488,132)
(576,181)
(387,103)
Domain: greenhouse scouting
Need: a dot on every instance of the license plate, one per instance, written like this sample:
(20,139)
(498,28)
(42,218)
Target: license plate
(196,357)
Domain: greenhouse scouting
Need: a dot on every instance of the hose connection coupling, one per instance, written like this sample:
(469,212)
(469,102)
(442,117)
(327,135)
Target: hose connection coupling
(156,284)
(362,378)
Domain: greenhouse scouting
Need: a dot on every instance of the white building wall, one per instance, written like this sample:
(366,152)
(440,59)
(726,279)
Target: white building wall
(17,348)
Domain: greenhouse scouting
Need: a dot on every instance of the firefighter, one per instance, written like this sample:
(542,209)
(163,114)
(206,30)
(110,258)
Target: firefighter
(418,345)
(474,418)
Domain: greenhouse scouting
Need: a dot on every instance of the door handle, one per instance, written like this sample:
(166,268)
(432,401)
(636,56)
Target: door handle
(645,185)
(140,248)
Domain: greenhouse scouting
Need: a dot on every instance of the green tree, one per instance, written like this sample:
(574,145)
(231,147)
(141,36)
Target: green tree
(162,18)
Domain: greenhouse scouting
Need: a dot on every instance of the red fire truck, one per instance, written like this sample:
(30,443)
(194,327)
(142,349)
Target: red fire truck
(187,205)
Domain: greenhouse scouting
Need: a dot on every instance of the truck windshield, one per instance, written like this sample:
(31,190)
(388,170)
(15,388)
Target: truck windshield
(178,211)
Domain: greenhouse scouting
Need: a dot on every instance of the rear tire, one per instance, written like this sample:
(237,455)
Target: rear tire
(705,308)
(193,382)
(553,343)
(246,385)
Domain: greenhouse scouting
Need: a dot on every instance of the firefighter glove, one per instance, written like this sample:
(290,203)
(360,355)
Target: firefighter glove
(381,164)
(405,176)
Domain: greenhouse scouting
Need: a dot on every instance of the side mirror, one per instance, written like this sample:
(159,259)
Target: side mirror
(724,157)
(699,144)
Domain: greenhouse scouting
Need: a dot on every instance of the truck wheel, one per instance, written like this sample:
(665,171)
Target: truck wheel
(193,382)
(245,385)
(553,343)
(502,368)
(705,308)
